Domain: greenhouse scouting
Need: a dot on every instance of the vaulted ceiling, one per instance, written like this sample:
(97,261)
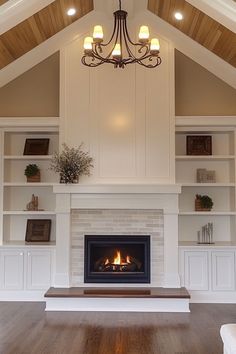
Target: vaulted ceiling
(42,25)
(198,26)
(39,27)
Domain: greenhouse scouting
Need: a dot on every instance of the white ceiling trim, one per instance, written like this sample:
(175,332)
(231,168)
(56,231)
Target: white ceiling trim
(192,49)
(47,48)
(223,11)
(16,11)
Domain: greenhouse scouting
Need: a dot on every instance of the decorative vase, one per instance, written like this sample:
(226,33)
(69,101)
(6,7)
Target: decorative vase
(34,179)
(68,179)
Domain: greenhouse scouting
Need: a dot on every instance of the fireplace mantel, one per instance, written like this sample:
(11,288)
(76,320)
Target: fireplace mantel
(117,189)
(117,196)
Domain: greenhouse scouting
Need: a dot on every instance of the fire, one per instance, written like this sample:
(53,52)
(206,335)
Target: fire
(119,261)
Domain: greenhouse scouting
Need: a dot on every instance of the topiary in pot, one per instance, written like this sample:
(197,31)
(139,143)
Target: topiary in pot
(32,172)
(203,203)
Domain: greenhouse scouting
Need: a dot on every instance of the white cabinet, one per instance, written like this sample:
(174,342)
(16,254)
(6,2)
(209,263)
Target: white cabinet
(196,270)
(38,270)
(26,269)
(208,272)
(223,271)
(12,269)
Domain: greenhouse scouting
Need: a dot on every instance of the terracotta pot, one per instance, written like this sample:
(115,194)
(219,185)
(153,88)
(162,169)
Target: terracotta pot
(198,206)
(35,178)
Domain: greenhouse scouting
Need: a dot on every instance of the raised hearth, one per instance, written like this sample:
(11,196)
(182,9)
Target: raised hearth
(121,299)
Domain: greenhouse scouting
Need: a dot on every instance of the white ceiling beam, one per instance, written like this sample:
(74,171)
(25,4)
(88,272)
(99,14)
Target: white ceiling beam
(15,11)
(192,49)
(223,11)
(47,48)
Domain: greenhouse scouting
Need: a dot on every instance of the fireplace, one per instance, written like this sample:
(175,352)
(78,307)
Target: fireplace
(117,259)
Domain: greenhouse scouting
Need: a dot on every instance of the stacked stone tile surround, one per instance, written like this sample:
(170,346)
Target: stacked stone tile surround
(117,222)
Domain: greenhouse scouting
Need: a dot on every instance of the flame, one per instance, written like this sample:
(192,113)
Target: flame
(107,261)
(128,259)
(117,259)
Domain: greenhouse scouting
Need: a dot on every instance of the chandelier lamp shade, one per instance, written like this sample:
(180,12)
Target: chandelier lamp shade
(121,50)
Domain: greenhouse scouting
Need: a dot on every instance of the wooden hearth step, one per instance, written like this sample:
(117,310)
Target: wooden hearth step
(151,293)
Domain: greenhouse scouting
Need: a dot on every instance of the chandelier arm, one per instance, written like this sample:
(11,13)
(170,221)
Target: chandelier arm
(128,36)
(100,61)
(121,37)
(126,42)
(112,36)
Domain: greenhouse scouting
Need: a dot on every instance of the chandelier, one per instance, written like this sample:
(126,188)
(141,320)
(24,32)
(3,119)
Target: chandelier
(121,50)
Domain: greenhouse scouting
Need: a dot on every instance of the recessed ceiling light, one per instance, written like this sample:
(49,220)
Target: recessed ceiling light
(179,16)
(71,12)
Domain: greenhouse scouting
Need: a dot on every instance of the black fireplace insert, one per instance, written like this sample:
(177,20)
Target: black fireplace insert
(117,259)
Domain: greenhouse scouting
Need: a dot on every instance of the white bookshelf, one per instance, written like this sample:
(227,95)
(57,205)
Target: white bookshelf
(16,192)
(223,192)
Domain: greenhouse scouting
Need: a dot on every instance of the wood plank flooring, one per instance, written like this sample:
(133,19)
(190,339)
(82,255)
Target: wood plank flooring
(26,329)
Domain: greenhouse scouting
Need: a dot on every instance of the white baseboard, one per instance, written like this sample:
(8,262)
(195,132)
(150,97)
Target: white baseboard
(221,297)
(15,295)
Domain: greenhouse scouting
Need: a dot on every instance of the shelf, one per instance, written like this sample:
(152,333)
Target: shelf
(27,184)
(22,212)
(28,244)
(204,157)
(224,244)
(203,213)
(27,157)
(206,184)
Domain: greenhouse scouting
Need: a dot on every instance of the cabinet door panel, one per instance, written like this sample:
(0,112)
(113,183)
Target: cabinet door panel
(38,270)
(223,271)
(12,270)
(196,270)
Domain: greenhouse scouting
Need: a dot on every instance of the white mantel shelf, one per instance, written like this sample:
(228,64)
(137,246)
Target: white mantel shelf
(117,189)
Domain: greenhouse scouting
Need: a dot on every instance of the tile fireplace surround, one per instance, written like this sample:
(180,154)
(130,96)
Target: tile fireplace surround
(115,210)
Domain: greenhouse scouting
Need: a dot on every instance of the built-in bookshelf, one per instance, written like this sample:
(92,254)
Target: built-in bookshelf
(222,191)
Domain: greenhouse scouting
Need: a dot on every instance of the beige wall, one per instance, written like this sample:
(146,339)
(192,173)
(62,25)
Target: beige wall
(198,92)
(34,93)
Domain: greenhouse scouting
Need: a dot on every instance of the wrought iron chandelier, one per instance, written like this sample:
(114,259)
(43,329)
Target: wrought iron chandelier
(121,50)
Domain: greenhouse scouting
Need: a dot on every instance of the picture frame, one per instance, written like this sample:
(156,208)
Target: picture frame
(38,230)
(199,145)
(36,146)
(206,176)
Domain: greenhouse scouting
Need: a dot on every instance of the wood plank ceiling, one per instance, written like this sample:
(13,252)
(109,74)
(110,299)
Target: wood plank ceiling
(39,27)
(198,26)
(3,2)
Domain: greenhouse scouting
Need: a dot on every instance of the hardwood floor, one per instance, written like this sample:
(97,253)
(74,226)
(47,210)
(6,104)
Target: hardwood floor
(26,329)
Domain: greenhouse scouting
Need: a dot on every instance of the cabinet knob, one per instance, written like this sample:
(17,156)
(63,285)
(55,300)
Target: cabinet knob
(21,254)
(28,254)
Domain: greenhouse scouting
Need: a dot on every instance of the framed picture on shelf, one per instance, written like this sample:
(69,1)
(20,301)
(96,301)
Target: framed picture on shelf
(199,145)
(36,146)
(38,230)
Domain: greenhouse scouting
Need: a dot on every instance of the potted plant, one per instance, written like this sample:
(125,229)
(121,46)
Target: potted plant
(203,203)
(71,163)
(32,172)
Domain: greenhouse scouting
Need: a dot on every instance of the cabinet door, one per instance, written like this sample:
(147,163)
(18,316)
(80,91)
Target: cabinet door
(196,271)
(38,270)
(223,271)
(12,270)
